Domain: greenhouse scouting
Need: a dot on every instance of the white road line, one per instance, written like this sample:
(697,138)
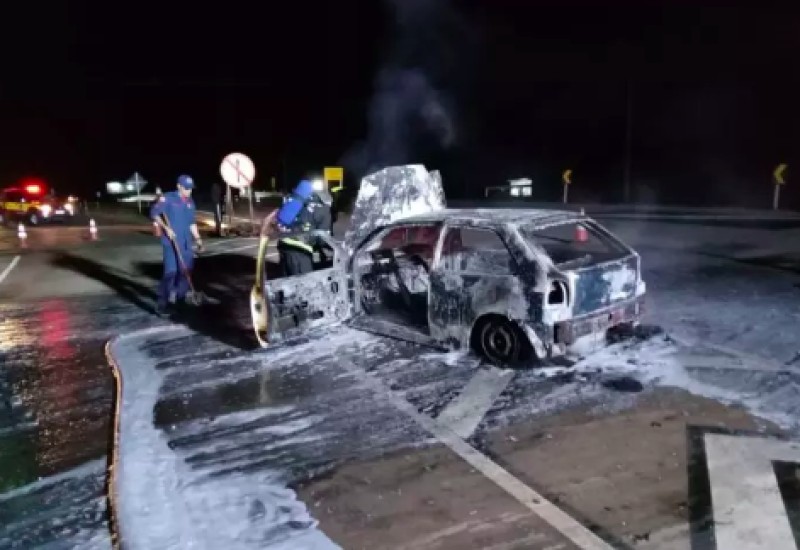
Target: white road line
(217,251)
(749,512)
(9,267)
(466,411)
(536,503)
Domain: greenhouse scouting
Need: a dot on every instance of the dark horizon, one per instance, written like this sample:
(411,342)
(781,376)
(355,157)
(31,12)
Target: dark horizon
(485,92)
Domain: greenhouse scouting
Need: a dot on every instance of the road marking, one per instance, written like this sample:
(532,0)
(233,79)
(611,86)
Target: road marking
(220,250)
(9,267)
(749,511)
(536,503)
(465,412)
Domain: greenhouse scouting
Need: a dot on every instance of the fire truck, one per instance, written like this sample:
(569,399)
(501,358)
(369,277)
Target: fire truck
(33,204)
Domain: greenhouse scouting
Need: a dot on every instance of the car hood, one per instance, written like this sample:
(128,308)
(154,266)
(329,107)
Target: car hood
(391,194)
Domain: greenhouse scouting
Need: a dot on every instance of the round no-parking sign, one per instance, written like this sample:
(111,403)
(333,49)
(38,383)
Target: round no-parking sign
(237,170)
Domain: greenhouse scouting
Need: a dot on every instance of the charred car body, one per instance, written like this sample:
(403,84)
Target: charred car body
(510,284)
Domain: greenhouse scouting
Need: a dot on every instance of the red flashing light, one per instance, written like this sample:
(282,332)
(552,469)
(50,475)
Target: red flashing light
(33,189)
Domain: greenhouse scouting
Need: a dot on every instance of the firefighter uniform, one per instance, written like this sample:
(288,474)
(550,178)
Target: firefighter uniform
(296,246)
(180,212)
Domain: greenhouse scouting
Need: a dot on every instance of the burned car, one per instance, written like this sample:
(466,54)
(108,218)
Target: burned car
(512,284)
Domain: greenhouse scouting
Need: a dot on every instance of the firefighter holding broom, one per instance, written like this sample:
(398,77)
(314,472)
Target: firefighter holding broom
(174,212)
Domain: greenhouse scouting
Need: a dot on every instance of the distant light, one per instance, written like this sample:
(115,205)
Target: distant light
(521,182)
(318,184)
(130,187)
(114,187)
(33,188)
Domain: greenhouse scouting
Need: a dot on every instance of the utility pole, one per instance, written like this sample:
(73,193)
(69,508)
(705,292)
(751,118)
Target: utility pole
(628,141)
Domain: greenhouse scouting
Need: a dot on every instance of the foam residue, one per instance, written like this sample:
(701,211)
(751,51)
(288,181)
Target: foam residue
(162,503)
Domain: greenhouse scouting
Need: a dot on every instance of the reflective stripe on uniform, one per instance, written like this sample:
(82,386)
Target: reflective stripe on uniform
(297,244)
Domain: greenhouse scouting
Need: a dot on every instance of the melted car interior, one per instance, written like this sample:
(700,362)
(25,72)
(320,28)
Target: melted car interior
(393,270)
(393,273)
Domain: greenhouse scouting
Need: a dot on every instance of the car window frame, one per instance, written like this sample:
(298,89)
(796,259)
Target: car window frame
(439,261)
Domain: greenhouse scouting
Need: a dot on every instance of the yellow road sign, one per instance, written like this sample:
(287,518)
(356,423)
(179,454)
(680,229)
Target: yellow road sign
(334,173)
(567,176)
(779,172)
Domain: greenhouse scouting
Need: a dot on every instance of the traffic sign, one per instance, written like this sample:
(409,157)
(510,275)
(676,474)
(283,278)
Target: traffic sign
(779,172)
(334,173)
(567,176)
(135,182)
(237,170)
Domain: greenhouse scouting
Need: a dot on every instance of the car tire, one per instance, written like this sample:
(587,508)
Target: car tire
(501,341)
(33,219)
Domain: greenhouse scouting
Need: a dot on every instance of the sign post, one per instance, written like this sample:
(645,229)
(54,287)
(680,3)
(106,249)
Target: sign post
(779,180)
(566,177)
(137,181)
(237,170)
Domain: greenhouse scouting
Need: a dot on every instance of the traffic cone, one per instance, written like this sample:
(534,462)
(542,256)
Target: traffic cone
(92,230)
(22,235)
(581,235)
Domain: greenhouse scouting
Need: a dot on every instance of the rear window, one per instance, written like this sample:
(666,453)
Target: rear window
(574,244)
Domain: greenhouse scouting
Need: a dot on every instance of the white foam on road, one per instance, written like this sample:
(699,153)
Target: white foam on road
(661,361)
(161,503)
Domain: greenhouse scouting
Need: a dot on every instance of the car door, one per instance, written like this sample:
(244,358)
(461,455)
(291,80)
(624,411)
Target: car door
(473,275)
(310,301)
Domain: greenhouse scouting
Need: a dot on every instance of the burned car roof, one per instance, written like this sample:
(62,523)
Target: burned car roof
(494,216)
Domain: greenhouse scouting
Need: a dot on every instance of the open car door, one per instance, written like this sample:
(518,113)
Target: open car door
(285,308)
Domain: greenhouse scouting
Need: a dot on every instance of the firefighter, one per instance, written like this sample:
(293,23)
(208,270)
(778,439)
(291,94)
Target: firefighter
(179,209)
(294,221)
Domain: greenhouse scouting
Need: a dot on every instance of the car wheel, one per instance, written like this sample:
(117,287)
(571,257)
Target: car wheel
(501,341)
(33,219)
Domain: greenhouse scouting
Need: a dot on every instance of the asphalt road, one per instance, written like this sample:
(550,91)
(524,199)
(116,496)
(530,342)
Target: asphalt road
(386,445)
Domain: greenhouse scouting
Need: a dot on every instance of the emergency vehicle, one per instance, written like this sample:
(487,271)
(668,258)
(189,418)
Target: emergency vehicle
(33,204)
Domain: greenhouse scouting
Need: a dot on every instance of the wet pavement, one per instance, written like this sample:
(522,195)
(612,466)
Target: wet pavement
(56,387)
(245,425)
(56,392)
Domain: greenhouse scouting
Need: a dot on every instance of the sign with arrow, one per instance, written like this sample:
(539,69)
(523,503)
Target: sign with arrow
(566,177)
(778,174)
(779,177)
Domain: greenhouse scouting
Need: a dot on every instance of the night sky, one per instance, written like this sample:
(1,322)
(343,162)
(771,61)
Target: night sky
(484,91)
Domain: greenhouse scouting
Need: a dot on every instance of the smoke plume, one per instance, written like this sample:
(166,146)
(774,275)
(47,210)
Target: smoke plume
(408,115)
